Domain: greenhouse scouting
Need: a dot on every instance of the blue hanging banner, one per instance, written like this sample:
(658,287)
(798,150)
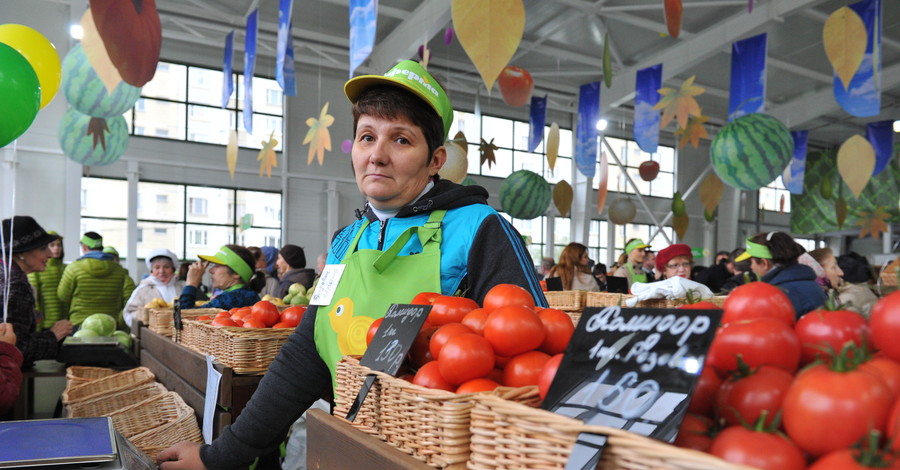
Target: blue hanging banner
(748,77)
(284,57)
(536,121)
(227,74)
(249,64)
(646,119)
(363,14)
(586,132)
(881,136)
(863,97)
(793,174)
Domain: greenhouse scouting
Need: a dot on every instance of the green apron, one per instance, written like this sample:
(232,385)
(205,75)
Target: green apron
(373,280)
(642,277)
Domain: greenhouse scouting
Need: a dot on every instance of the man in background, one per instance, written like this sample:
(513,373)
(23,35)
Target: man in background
(649,265)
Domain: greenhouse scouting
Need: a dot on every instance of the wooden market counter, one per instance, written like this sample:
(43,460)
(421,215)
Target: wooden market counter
(183,370)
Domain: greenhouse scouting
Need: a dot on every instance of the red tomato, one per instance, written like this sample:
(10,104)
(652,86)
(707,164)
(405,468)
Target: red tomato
(695,433)
(820,330)
(496,375)
(702,305)
(755,300)
(238,322)
(767,451)
(704,396)
(223,321)
(465,357)
(885,324)
(419,353)
(513,330)
(225,313)
(845,459)
(475,320)
(429,376)
(759,341)
(424,298)
(503,295)
(548,373)
(525,369)
(826,410)
(203,317)
(282,324)
(449,309)
(477,385)
(887,369)
(743,399)
(443,334)
(892,427)
(373,328)
(253,322)
(559,328)
(266,312)
(240,313)
(293,315)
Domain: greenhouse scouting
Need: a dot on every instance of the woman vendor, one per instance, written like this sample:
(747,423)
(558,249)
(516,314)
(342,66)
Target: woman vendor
(417,233)
(231,272)
(632,269)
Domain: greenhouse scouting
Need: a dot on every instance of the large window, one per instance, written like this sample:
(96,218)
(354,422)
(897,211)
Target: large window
(186,219)
(773,196)
(631,156)
(183,102)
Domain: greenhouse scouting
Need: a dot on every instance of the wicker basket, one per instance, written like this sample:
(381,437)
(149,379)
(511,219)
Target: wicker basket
(104,404)
(108,385)
(77,375)
(246,350)
(508,435)
(180,425)
(605,299)
(431,425)
(350,375)
(566,300)
(888,274)
(161,320)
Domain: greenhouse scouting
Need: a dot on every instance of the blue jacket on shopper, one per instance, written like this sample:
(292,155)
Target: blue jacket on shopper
(798,281)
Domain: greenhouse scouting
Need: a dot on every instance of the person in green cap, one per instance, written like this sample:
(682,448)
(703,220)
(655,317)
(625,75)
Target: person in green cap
(632,269)
(45,284)
(231,270)
(417,233)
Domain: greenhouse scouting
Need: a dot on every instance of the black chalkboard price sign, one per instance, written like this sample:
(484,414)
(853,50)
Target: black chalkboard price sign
(633,369)
(390,344)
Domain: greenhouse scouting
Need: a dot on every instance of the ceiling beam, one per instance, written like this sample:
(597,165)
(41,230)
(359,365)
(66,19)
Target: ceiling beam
(418,27)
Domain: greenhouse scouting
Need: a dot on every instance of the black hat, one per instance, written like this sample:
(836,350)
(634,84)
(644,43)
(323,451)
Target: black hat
(293,255)
(26,235)
(856,267)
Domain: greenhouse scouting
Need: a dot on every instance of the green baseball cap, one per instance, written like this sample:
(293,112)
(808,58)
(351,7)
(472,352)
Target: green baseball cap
(409,75)
(229,258)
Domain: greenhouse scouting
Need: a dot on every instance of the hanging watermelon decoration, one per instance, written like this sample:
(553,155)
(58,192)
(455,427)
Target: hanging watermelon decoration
(92,141)
(85,90)
(525,195)
(751,151)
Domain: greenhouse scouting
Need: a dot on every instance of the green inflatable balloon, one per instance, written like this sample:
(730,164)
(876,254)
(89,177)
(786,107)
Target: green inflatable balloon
(20,94)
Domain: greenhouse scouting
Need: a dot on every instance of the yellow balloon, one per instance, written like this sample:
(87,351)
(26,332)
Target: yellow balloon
(39,52)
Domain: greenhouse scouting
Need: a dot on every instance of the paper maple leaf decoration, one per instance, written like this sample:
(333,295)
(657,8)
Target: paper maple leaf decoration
(694,131)
(318,136)
(267,156)
(872,223)
(679,104)
(486,149)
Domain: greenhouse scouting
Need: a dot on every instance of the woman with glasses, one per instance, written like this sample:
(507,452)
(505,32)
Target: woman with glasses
(675,260)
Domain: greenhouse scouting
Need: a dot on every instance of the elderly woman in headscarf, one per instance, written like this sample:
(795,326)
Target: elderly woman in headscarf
(262,256)
(161,283)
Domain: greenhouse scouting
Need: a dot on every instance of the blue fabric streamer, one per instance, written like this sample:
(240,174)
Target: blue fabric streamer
(863,97)
(586,132)
(795,171)
(881,136)
(537,119)
(363,14)
(284,49)
(646,119)
(227,74)
(249,65)
(748,77)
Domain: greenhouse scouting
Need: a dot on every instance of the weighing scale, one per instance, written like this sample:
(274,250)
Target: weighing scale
(101,351)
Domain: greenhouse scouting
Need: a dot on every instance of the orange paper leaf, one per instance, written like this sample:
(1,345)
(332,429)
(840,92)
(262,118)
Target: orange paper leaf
(552,145)
(486,149)
(711,190)
(845,38)
(872,223)
(231,152)
(562,197)
(318,137)
(680,103)
(602,181)
(489,32)
(856,162)
(694,131)
(267,157)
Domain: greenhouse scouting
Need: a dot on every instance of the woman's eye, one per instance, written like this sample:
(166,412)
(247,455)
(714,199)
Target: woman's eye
(402,140)
(366,138)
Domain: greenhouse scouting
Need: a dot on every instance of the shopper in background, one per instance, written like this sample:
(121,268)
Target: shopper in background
(716,275)
(10,369)
(743,274)
(292,268)
(649,265)
(232,272)
(573,270)
(675,260)
(599,273)
(161,283)
(30,253)
(632,266)
(271,288)
(851,296)
(773,257)
(112,251)
(95,283)
(45,284)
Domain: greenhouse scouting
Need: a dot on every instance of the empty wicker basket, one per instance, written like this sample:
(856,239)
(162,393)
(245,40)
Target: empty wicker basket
(108,385)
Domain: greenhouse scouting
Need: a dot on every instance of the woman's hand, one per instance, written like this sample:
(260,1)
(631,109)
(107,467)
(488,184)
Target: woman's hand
(184,455)
(195,273)
(7,335)
(61,329)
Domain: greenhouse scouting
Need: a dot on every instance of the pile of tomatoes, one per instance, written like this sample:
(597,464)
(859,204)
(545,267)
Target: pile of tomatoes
(820,392)
(467,348)
(263,314)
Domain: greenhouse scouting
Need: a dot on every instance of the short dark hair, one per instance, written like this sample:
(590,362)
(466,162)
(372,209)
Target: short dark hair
(742,266)
(391,102)
(782,246)
(94,236)
(599,268)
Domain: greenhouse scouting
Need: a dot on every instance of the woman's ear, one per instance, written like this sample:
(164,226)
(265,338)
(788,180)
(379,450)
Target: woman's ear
(437,160)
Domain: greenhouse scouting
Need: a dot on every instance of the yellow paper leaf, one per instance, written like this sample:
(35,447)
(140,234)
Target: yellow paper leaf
(711,190)
(96,53)
(552,145)
(680,224)
(267,156)
(318,137)
(562,197)
(489,32)
(694,132)
(231,152)
(856,162)
(680,103)
(602,181)
(845,38)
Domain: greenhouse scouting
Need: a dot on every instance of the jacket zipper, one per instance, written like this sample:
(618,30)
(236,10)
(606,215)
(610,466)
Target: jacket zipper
(381,232)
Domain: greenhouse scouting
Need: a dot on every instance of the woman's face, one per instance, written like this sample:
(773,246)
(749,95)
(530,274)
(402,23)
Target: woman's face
(636,256)
(833,272)
(584,259)
(282,265)
(390,161)
(55,248)
(222,277)
(679,266)
(162,269)
(760,266)
(33,261)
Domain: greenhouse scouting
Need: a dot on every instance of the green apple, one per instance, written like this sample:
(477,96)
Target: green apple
(299,300)
(287,298)
(297,288)
(123,337)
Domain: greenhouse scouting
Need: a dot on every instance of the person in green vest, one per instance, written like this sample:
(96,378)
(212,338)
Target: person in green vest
(95,283)
(45,284)
(632,269)
(417,233)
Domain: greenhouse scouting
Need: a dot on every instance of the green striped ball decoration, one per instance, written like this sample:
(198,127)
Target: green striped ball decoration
(79,146)
(85,91)
(525,195)
(751,151)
